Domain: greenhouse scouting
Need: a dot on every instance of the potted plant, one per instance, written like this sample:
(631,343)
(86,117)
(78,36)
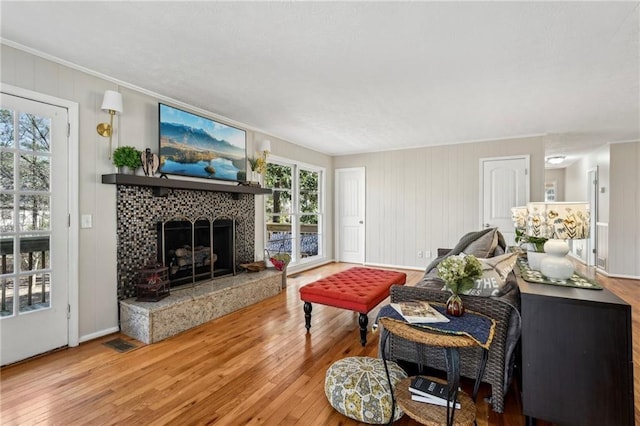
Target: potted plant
(533,242)
(459,273)
(258,167)
(534,247)
(127,157)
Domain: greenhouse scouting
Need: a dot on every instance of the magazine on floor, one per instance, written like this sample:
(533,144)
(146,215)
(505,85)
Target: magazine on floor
(418,312)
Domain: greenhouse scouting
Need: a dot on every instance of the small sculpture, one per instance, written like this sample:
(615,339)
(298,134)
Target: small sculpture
(150,162)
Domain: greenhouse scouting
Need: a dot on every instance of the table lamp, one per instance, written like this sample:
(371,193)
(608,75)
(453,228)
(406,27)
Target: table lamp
(536,232)
(564,221)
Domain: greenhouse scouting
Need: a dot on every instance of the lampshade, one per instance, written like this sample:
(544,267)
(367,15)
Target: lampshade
(112,101)
(265,146)
(519,217)
(567,221)
(537,220)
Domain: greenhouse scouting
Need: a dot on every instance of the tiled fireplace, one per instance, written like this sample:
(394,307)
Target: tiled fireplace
(139,213)
(217,228)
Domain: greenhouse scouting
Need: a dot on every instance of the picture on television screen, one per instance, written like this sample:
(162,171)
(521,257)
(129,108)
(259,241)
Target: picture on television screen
(191,145)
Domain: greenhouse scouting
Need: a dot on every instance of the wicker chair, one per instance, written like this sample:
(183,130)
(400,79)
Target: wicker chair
(504,309)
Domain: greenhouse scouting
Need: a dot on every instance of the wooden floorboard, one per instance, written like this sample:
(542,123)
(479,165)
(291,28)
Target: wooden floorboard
(256,366)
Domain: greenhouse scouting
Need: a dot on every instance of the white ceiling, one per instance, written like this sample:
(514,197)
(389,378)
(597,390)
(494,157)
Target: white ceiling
(349,77)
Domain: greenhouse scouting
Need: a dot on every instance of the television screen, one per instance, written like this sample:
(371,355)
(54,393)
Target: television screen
(191,145)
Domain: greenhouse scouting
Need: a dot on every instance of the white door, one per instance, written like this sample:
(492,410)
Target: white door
(350,215)
(34,223)
(504,183)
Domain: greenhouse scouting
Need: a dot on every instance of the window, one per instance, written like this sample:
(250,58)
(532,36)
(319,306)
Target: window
(294,211)
(25,211)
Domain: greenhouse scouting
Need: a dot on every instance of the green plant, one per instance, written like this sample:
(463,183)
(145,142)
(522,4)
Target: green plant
(257,164)
(127,156)
(537,242)
(459,272)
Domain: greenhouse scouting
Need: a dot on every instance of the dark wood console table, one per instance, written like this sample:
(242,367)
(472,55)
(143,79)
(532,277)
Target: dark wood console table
(577,359)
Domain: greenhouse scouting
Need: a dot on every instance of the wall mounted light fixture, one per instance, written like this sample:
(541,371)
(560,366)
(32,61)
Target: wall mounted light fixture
(111,103)
(265,148)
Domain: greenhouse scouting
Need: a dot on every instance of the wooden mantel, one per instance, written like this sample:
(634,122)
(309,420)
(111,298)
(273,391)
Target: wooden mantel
(161,185)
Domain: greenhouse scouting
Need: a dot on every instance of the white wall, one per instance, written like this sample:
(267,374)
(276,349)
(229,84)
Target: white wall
(97,274)
(137,126)
(425,199)
(624,223)
(618,202)
(556,176)
(576,185)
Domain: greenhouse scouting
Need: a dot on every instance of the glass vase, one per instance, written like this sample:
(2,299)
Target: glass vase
(455,307)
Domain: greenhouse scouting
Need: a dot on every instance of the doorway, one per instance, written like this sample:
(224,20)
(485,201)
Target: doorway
(350,215)
(38,241)
(504,183)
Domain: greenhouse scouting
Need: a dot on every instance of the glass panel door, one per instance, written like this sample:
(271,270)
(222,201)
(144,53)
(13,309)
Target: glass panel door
(33,139)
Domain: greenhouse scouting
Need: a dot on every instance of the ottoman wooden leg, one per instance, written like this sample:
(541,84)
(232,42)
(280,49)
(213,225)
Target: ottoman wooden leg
(363,320)
(307,315)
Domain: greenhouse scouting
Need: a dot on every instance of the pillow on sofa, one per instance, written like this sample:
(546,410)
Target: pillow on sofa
(494,275)
(483,246)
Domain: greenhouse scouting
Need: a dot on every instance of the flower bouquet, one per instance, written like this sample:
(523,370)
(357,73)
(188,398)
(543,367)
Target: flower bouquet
(459,273)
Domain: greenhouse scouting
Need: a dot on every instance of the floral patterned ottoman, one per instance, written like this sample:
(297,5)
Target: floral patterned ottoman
(358,388)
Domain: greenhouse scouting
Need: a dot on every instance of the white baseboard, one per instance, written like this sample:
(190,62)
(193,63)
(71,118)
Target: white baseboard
(306,266)
(603,272)
(98,334)
(610,275)
(384,265)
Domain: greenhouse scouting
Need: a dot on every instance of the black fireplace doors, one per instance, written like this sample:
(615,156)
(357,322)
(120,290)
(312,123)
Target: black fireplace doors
(196,251)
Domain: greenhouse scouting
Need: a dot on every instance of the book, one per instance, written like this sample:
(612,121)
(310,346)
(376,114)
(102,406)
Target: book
(418,312)
(434,401)
(422,386)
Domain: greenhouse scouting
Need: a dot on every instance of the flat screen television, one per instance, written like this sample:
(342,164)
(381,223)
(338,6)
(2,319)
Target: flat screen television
(191,145)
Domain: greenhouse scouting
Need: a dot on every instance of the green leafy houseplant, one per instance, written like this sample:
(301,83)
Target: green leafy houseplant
(127,156)
(459,272)
(536,242)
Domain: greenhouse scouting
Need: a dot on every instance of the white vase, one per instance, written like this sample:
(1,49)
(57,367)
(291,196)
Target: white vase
(556,265)
(534,259)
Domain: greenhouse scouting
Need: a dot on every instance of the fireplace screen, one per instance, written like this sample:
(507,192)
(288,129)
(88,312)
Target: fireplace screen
(195,251)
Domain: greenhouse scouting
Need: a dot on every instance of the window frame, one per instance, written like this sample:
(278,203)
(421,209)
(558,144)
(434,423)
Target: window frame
(295,212)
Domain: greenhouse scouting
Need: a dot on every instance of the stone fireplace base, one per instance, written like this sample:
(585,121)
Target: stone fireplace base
(188,307)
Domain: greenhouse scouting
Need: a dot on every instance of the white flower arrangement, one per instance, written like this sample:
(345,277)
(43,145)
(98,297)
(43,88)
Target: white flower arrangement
(459,272)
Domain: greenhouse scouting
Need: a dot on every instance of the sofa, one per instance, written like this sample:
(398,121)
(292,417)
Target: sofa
(503,306)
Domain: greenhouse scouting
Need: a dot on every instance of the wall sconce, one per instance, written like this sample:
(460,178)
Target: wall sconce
(263,152)
(265,148)
(111,103)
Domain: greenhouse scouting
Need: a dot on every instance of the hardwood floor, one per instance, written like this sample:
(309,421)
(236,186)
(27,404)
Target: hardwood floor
(254,366)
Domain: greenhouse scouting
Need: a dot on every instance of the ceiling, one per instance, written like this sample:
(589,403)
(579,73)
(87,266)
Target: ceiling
(351,77)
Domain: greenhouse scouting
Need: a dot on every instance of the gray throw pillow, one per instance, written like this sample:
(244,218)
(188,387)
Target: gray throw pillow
(484,246)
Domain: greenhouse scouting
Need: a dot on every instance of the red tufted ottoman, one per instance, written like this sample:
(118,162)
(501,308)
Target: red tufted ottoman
(356,289)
